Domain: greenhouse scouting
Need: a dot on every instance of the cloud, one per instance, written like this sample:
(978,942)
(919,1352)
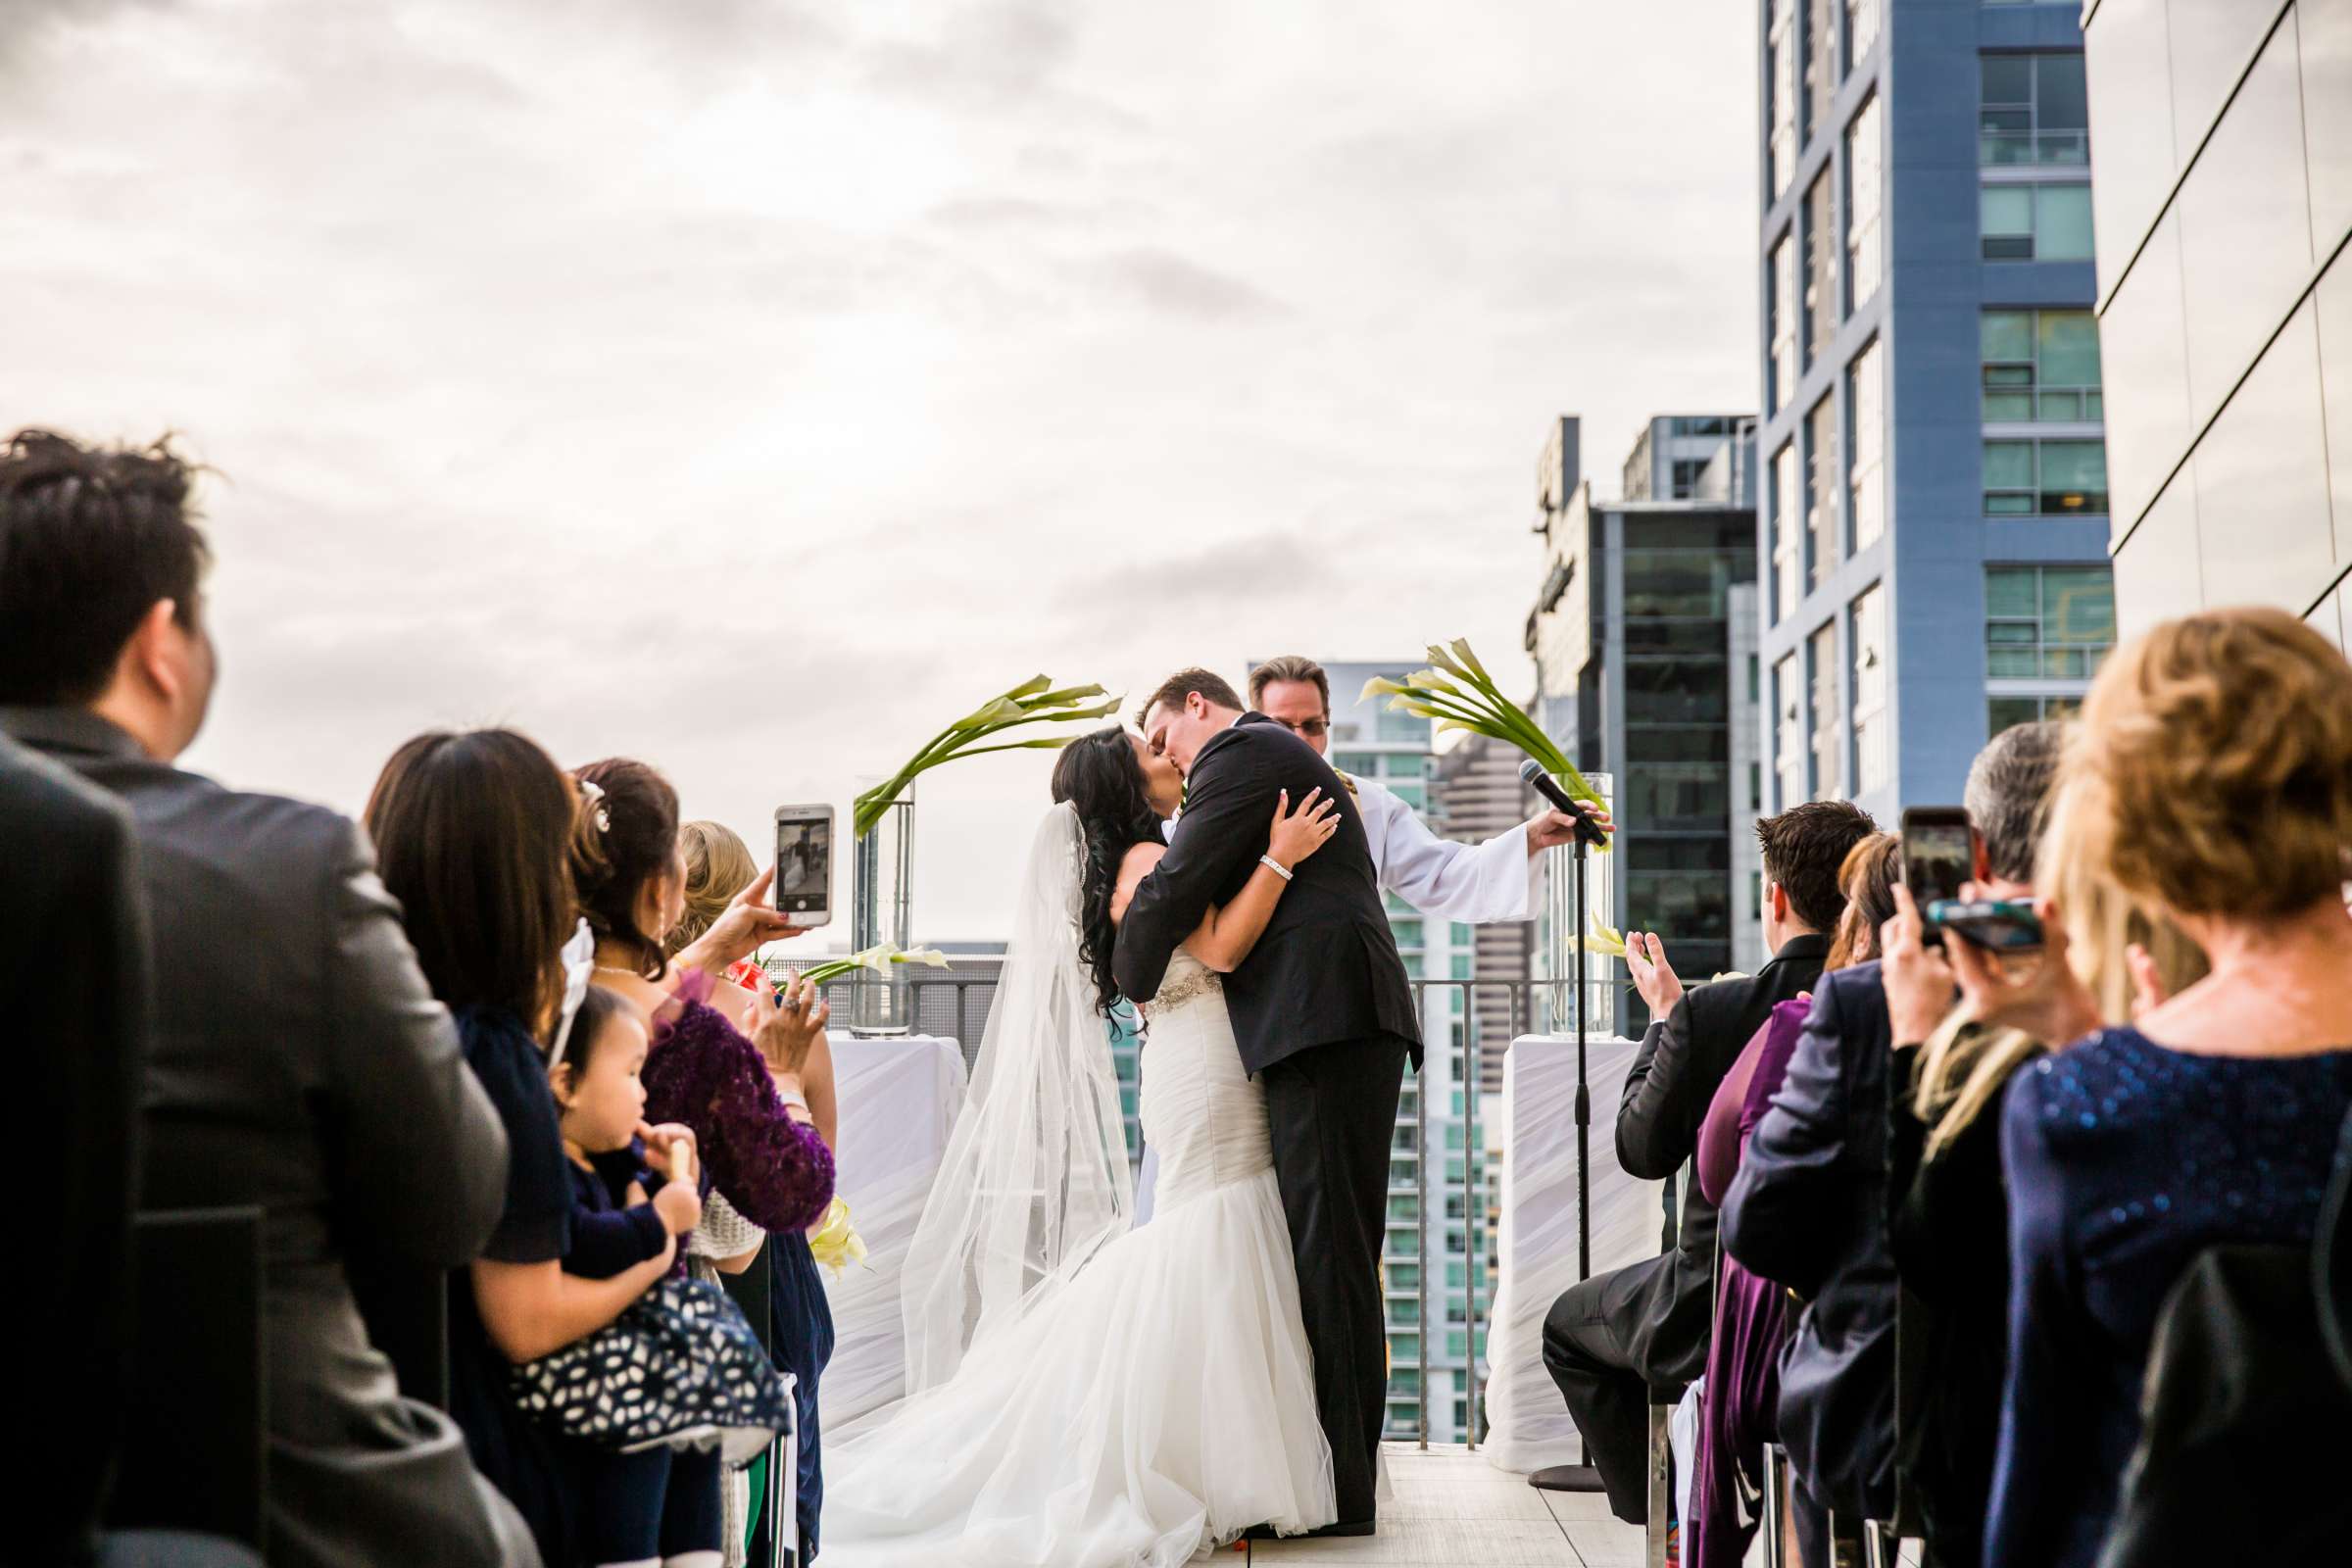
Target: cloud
(749,386)
(1161,280)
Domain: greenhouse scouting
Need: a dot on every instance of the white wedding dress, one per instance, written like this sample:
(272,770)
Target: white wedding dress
(1150,1393)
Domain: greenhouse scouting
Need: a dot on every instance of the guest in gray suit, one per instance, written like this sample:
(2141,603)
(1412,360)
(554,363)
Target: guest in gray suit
(297,1060)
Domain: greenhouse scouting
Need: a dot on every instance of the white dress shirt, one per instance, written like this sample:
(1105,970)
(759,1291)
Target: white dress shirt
(1478,884)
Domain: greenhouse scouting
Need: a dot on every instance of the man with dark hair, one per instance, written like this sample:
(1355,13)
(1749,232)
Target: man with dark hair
(1808,1208)
(298,1061)
(1323,1016)
(1615,1340)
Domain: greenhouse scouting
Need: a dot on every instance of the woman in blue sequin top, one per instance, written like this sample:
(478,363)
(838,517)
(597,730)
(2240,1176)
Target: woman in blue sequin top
(2209,780)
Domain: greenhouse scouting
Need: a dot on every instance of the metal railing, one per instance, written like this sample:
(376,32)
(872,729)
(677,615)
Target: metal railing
(2027,149)
(956,1007)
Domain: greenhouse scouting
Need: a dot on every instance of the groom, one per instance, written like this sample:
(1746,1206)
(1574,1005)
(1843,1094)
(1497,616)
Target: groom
(1325,1019)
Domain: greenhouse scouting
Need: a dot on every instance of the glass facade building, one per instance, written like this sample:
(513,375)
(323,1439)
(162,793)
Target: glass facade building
(1933,448)
(1643,672)
(2224,200)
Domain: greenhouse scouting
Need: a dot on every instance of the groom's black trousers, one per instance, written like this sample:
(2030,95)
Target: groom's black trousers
(1332,1111)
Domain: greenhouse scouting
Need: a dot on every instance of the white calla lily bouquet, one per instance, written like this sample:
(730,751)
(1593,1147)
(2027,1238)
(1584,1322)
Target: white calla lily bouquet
(1457,692)
(1036,701)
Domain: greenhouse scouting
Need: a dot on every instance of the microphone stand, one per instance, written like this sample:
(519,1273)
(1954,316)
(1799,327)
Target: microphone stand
(1580,1477)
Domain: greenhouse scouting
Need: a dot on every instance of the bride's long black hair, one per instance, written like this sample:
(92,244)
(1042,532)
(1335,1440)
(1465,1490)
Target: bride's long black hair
(1098,775)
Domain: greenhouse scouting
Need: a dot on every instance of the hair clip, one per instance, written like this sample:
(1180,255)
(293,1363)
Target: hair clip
(594,793)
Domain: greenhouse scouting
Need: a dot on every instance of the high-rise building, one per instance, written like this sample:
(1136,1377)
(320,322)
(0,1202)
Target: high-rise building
(1931,557)
(1643,672)
(1425,1182)
(2224,196)
(1476,793)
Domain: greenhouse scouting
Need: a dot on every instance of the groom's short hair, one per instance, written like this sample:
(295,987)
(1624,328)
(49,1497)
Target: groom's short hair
(1173,691)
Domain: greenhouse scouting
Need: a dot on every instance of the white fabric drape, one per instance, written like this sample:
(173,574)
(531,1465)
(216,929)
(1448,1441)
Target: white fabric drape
(899,1100)
(1528,1425)
(1035,1179)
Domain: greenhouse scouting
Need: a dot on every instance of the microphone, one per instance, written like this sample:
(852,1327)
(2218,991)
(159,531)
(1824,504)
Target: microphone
(1532,772)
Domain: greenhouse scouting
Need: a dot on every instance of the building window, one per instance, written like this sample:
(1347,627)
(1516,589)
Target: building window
(2006,712)
(1821,268)
(1821,61)
(1861,29)
(1870,689)
(2036,223)
(1784,322)
(1781,71)
(1864,190)
(2031,112)
(2045,479)
(1820,663)
(1866,445)
(1787,564)
(1821,492)
(2041,367)
(1788,734)
(2047,623)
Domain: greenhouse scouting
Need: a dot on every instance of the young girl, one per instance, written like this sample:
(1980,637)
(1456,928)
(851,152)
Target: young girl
(661,1505)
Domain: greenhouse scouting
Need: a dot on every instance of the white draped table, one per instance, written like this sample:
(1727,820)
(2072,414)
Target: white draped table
(899,1100)
(1528,1425)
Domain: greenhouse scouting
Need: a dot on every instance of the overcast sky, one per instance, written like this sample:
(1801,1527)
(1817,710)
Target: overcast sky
(752,387)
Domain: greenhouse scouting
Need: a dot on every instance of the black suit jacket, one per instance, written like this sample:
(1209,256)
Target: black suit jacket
(1683,1061)
(1326,968)
(1808,1210)
(73,970)
(298,1061)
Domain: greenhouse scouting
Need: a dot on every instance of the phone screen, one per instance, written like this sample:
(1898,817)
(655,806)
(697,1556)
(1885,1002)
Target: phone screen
(803,864)
(1936,859)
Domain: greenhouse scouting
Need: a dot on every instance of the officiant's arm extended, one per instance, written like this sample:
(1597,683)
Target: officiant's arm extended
(1222,833)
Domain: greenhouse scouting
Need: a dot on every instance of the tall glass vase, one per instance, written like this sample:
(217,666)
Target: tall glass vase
(882,909)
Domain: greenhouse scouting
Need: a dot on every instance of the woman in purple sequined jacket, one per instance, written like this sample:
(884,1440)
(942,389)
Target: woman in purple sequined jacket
(739,1088)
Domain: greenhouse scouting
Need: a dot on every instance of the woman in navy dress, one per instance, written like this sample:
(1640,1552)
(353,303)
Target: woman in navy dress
(472,835)
(2209,780)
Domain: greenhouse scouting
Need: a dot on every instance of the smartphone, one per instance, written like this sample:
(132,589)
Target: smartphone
(804,885)
(1938,857)
(1997,925)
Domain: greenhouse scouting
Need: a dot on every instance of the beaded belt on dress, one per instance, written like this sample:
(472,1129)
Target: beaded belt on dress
(1199,983)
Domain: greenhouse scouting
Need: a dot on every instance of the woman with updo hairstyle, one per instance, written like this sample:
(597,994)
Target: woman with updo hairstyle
(2210,779)
(739,1089)
(718,867)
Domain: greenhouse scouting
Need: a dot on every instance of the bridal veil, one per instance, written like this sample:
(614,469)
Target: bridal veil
(1035,1179)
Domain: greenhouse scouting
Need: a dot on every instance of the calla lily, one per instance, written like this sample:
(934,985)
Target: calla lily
(1379,686)
(928,958)
(1459,694)
(834,1243)
(1035,701)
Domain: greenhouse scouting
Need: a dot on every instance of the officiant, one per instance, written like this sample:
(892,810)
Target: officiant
(1477,884)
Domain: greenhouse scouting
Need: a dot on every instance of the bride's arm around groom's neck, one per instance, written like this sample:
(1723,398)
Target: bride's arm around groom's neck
(1223,830)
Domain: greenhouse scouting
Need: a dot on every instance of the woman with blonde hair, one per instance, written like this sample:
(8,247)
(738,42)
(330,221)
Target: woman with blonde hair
(718,867)
(2210,780)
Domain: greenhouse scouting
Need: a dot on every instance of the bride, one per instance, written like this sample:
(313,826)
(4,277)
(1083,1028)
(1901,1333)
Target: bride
(1082,1394)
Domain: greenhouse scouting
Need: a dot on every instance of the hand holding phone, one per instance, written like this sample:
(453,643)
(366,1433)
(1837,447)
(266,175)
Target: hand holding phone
(1938,853)
(803,869)
(1996,925)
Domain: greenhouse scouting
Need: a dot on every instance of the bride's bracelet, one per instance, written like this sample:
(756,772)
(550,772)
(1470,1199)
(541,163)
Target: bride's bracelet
(1276,867)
